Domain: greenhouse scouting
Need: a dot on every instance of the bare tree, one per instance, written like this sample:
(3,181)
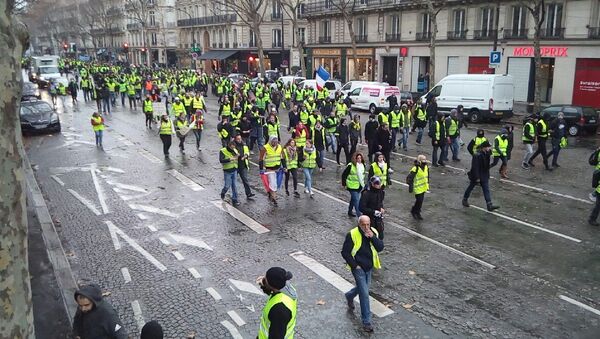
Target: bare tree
(102,15)
(15,289)
(292,7)
(251,13)
(346,9)
(137,10)
(537,8)
(433,9)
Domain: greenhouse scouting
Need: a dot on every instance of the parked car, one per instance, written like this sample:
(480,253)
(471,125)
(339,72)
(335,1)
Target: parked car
(372,97)
(351,85)
(483,96)
(236,77)
(38,116)
(578,118)
(332,85)
(30,91)
(287,79)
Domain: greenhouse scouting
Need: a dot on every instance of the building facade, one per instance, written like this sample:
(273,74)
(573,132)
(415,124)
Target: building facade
(393,44)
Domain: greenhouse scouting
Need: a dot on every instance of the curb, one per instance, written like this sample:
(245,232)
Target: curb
(56,253)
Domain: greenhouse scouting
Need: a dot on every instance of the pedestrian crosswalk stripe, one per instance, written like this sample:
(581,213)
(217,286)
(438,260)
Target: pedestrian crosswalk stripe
(241,217)
(185,180)
(236,318)
(235,334)
(213,293)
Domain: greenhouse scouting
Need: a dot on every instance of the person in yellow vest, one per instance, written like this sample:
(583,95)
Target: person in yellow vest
(542,135)
(98,127)
(308,161)
(225,130)
(394,117)
(379,168)
(418,183)
(353,179)
(198,102)
(528,139)
(187,103)
(405,124)
(178,108)
(166,133)
(341,109)
(270,161)
(243,164)
(148,111)
(198,126)
(290,153)
(499,152)
(228,157)
(181,127)
(474,144)
(360,251)
(131,95)
(278,317)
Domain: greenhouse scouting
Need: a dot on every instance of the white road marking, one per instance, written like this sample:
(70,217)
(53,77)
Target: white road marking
(194,273)
(57,179)
(326,194)
(235,334)
(178,255)
(111,169)
(155,210)
(137,315)
(142,216)
(246,286)
(251,308)
(151,228)
(527,224)
(394,181)
(213,293)
(113,235)
(451,249)
(125,141)
(338,282)
(546,191)
(149,156)
(185,180)
(197,242)
(81,142)
(132,197)
(164,240)
(128,187)
(241,217)
(99,189)
(236,318)
(580,304)
(136,246)
(84,201)
(126,275)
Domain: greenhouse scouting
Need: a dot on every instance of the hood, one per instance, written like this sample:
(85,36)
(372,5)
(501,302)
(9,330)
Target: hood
(92,292)
(290,291)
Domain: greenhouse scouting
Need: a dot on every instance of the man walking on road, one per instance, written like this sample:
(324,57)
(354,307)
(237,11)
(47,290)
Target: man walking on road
(480,174)
(360,250)
(228,157)
(243,163)
(542,136)
(95,318)
(278,318)
(528,139)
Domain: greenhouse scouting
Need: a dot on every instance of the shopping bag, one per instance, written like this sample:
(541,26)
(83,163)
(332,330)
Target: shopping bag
(279,178)
(265,181)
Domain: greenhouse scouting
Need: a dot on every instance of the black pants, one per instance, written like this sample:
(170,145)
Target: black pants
(132,103)
(372,150)
(416,209)
(181,142)
(596,210)
(243,173)
(294,173)
(434,156)
(166,140)
(541,150)
(149,119)
(497,159)
(346,148)
(387,156)
(353,145)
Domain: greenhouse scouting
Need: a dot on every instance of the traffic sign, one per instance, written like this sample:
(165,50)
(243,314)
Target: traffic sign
(194,56)
(495,57)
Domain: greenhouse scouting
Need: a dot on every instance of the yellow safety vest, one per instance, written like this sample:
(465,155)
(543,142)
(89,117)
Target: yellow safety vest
(178,109)
(395,117)
(341,109)
(231,164)
(453,129)
(272,130)
(421,115)
(304,116)
(148,108)
(528,127)
(356,237)
(99,124)
(544,132)
(381,174)
(353,181)
(265,323)
(226,110)
(291,162)
(272,156)
(406,117)
(310,160)
(383,118)
(187,101)
(301,139)
(166,127)
(421,179)
(223,133)
(198,103)
(502,145)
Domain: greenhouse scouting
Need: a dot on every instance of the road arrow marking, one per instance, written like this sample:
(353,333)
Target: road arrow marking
(245,286)
(113,229)
(251,308)
(99,189)
(196,242)
(84,201)
(241,217)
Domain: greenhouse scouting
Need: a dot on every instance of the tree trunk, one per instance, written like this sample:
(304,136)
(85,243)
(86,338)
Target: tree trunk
(432,42)
(259,45)
(354,51)
(538,66)
(299,45)
(15,291)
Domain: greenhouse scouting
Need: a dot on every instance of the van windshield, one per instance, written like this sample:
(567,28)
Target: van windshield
(48,70)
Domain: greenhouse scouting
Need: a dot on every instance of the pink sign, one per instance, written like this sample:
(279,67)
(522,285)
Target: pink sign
(545,51)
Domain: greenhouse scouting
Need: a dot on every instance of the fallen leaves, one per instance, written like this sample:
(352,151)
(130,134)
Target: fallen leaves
(320,302)
(408,306)
(106,293)
(412,272)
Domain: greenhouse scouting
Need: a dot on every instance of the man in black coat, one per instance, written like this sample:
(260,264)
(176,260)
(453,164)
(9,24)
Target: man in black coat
(480,174)
(95,318)
(343,140)
(371,135)
(371,204)
(384,142)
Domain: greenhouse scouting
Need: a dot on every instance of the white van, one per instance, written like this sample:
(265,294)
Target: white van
(370,97)
(351,85)
(483,96)
(332,85)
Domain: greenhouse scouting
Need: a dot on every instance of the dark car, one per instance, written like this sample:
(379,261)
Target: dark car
(38,116)
(578,118)
(30,91)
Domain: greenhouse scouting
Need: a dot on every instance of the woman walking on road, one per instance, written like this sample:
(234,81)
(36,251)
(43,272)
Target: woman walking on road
(353,179)
(98,127)
(290,152)
(418,183)
(198,126)
(308,161)
(182,129)
(166,133)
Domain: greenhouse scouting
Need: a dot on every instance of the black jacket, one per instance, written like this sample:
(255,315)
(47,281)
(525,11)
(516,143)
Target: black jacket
(480,167)
(370,201)
(384,139)
(319,139)
(343,134)
(102,322)
(364,256)
(245,128)
(371,130)
(293,119)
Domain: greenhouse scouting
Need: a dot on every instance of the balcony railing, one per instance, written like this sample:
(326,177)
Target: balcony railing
(325,39)
(594,32)
(276,16)
(457,35)
(555,33)
(516,33)
(207,20)
(226,45)
(423,36)
(220,45)
(485,34)
(392,37)
(326,7)
(361,38)
(276,44)
(134,26)
(235,45)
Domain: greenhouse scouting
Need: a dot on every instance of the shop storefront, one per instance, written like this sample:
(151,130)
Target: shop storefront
(329,58)
(362,67)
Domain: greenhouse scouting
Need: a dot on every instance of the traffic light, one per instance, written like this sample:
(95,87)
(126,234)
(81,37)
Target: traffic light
(65,47)
(125,47)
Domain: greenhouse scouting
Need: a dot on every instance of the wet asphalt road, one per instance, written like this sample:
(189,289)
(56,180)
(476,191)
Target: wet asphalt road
(154,242)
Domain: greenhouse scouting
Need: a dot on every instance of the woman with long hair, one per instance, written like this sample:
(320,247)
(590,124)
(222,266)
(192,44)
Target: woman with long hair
(308,162)
(353,179)
(290,152)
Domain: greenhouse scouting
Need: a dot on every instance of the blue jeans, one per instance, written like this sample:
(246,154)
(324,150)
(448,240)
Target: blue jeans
(485,186)
(106,105)
(454,146)
(331,140)
(230,179)
(363,280)
(308,179)
(404,140)
(354,200)
(98,138)
(444,153)
(395,132)
(419,134)
(320,158)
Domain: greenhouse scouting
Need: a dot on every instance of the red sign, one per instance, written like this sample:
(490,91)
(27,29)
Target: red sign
(586,89)
(480,65)
(545,51)
(403,51)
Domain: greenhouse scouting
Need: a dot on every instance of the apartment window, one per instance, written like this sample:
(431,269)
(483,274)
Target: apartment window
(252,42)
(153,39)
(519,15)
(151,18)
(276,9)
(394,24)
(328,4)
(361,26)
(204,11)
(487,20)
(227,36)
(364,2)
(220,36)
(425,23)
(326,28)
(300,10)
(235,36)
(276,37)
(554,19)
(302,35)
(459,20)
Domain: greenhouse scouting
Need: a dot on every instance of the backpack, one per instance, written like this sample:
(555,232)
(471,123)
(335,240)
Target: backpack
(593,160)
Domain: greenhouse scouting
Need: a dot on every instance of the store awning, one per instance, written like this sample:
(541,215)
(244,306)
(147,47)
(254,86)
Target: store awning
(216,55)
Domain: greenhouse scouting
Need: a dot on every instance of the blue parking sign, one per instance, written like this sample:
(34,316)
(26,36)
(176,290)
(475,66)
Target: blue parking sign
(495,57)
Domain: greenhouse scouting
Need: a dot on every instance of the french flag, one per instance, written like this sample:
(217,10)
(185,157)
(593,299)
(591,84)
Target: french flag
(321,76)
